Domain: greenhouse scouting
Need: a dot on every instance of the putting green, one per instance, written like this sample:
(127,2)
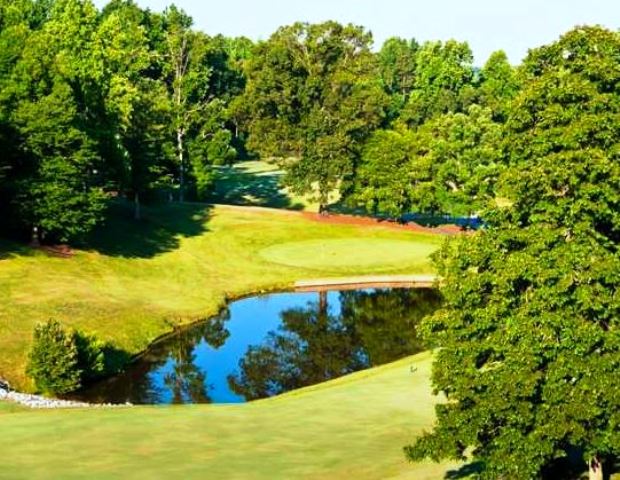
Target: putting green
(349,253)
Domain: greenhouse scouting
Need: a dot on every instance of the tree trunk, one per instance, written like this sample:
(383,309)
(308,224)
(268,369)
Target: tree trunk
(181,164)
(136,201)
(595,469)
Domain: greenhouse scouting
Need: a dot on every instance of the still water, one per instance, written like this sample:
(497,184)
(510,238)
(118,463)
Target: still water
(270,344)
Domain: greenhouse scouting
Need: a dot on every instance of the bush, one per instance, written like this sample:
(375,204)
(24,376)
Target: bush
(54,361)
(91,356)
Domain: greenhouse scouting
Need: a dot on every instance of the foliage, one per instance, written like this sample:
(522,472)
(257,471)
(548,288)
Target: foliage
(53,361)
(91,356)
(448,165)
(397,69)
(443,81)
(313,94)
(529,336)
(498,85)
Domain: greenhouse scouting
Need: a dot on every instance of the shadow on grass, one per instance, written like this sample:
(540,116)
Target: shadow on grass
(239,185)
(9,249)
(160,229)
(470,470)
(570,468)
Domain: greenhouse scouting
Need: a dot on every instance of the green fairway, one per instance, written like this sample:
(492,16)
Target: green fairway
(345,253)
(258,183)
(134,281)
(354,427)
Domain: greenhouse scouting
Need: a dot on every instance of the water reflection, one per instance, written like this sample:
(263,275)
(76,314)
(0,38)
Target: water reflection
(267,345)
(316,343)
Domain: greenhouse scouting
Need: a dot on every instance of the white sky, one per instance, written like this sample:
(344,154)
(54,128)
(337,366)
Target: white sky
(488,25)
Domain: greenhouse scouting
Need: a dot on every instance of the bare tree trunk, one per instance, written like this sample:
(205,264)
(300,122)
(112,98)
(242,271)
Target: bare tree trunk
(181,164)
(137,214)
(595,469)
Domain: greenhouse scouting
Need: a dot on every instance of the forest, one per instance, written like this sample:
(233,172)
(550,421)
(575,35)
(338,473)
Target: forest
(125,102)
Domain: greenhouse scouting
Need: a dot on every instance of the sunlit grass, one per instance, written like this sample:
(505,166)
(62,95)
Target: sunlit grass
(353,427)
(179,264)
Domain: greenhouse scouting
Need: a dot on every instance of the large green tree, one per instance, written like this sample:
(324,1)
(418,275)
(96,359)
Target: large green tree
(51,97)
(530,332)
(397,67)
(314,95)
(443,83)
(449,165)
(136,102)
(498,85)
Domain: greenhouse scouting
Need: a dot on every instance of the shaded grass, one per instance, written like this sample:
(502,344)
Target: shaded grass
(258,183)
(128,290)
(353,427)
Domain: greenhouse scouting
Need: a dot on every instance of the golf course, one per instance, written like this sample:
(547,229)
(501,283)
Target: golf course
(128,289)
(341,240)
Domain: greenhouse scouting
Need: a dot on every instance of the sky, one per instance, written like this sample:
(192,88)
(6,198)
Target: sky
(488,25)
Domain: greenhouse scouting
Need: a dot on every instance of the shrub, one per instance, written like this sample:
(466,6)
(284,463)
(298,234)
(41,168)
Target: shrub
(91,356)
(54,361)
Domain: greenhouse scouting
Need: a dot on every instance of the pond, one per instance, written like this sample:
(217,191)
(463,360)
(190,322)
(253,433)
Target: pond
(270,344)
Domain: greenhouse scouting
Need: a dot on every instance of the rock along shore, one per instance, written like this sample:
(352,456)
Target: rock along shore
(40,402)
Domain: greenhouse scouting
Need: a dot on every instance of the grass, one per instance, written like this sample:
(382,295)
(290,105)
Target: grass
(258,183)
(342,253)
(135,281)
(353,427)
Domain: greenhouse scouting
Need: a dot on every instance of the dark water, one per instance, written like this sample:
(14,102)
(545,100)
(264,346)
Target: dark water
(267,345)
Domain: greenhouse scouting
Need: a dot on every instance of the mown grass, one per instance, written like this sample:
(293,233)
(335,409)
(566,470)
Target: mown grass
(133,281)
(259,183)
(353,427)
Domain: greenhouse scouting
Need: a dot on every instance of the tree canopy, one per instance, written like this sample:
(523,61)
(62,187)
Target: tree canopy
(529,333)
(313,96)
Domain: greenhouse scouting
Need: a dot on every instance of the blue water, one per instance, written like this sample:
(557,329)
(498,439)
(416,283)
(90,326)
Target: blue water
(269,344)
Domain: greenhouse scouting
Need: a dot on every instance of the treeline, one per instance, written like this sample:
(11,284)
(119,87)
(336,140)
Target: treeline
(96,104)
(128,102)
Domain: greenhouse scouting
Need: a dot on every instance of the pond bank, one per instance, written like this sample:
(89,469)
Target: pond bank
(373,281)
(41,402)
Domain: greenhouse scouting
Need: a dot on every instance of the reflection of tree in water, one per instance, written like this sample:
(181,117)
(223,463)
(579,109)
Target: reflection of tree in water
(186,382)
(314,345)
(386,320)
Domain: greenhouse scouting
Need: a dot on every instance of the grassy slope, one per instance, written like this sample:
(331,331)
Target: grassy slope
(177,265)
(259,183)
(354,427)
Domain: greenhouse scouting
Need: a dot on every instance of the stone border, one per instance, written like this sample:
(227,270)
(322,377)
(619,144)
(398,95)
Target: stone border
(40,402)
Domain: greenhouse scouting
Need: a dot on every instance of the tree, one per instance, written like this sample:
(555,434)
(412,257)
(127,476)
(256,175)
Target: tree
(498,85)
(397,66)
(53,360)
(444,74)
(529,333)
(137,108)
(313,96)
(51,96)
(448,165)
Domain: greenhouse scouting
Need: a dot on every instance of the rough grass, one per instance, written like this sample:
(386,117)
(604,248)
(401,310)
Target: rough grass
(134,280)
(353,427)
